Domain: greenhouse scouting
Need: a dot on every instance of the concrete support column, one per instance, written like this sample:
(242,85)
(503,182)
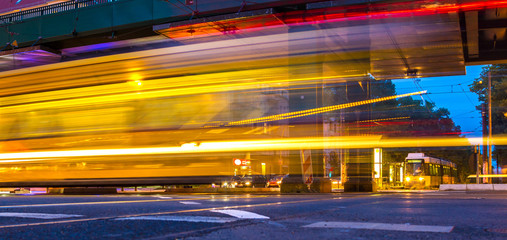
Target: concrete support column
(359,164)
(304,98)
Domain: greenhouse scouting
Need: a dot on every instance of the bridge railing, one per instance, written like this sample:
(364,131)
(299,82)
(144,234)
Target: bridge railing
(50,9)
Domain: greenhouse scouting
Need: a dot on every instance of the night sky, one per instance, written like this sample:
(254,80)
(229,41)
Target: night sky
(452,93)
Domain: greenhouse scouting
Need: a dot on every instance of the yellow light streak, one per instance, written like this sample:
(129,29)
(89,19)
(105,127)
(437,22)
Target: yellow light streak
(488,175)
(352,142)
(190,59)
(167,87)
(382,119)
(320,110)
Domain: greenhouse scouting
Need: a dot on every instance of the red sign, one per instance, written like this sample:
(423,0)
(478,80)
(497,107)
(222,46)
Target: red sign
(11,5)
(241,162)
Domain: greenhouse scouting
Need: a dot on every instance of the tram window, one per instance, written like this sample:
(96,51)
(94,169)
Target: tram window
(414,168)
(447,171)
(433,171)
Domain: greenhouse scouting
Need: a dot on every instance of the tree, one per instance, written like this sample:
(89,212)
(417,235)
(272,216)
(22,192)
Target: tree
(416,118)
(498,101)
(408,117)
(403,117)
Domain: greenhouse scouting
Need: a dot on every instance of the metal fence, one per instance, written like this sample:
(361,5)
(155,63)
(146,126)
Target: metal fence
(50,9)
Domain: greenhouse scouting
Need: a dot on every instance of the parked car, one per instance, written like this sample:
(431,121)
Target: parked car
(276,181)
(336,182)
(259,181)
(238,181)
(255,181)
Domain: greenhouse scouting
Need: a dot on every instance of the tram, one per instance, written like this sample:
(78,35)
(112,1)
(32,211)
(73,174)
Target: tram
(136,118)
(423,171)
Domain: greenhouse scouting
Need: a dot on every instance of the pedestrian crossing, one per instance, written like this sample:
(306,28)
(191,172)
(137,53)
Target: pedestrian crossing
(212,215)
(241,214)
(237,215)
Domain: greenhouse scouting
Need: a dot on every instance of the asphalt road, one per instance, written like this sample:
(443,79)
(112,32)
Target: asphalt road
(428,215)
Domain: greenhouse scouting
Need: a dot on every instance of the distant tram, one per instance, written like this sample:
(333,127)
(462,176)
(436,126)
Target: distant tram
(424,171)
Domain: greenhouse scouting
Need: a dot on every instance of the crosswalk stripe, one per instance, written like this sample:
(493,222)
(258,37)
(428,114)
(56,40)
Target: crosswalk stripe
(190,203)
(278,203)
(182,219)
(382,226)
(241,214)
(38,215)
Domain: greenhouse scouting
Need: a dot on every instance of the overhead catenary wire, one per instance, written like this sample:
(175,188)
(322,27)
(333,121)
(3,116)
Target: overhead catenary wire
(440,85)
(466,95)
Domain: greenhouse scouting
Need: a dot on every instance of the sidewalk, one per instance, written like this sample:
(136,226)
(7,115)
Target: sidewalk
(473,187)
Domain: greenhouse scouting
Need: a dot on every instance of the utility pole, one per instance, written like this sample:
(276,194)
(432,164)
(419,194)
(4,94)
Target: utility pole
(490,128)
(484,142)
(477,152)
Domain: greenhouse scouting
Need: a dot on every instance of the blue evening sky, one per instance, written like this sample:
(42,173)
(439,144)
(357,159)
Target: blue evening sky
(452,93)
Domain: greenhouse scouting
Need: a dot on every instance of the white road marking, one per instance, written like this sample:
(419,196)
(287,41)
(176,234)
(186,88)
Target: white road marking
(190,203)
(241,214)
(164,197)
(382,226)
(94,203)
(182,219)
(38,215)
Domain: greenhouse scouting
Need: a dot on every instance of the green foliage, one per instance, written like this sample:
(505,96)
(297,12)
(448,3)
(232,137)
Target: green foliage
(404,117)
(498,95)
(425,120)
(498,102)
(411,117)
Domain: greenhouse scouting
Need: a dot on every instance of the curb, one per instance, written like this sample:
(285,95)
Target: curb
(473,187)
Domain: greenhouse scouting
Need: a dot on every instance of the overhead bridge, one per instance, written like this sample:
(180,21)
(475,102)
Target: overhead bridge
(453,34)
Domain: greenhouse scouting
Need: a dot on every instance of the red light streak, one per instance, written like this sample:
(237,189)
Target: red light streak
(337,14)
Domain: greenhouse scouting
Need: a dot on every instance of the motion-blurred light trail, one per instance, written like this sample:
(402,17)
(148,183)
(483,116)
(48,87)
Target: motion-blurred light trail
(333,14)
(354,142)
(320,110)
